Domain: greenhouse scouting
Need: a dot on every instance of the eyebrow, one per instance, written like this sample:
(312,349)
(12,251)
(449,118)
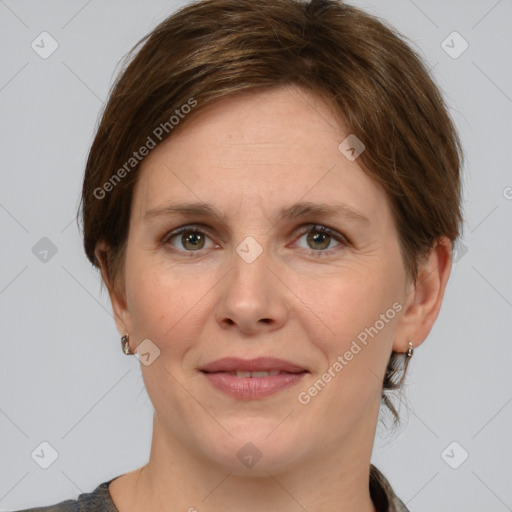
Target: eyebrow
(295,211)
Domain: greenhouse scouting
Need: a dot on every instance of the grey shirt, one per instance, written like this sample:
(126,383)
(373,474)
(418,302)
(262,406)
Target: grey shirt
(99,500)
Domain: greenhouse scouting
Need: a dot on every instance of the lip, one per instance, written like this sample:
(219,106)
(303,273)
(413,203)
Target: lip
(230,364)
(252,388)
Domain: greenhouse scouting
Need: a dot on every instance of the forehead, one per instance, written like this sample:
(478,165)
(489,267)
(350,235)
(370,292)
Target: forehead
(276,146)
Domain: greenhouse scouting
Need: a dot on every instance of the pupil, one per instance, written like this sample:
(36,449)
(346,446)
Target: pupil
(193,239)
(319,238)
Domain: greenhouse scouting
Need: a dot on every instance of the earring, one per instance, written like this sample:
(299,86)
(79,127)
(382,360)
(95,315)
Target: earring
(126,345)
(410,350)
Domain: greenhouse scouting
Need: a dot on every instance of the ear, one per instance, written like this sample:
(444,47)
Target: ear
(424,297)
(117,296)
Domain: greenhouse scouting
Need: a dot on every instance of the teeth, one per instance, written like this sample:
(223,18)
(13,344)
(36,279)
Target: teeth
(259,374)
(244,374)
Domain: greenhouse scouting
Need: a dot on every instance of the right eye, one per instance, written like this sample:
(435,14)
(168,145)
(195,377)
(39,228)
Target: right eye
(191,239)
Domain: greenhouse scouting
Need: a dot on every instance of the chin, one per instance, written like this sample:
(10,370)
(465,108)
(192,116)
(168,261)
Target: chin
(252,451)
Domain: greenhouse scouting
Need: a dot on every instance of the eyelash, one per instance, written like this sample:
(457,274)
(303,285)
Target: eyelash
(320,228)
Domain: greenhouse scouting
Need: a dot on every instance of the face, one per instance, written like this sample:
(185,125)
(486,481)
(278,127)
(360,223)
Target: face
(300,261)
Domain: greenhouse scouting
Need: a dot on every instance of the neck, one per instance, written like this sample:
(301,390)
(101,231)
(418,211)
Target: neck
(177,479)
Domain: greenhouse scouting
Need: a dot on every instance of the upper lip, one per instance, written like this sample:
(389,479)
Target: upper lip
(231,364)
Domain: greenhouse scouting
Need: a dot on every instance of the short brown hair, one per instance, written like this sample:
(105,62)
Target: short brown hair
(212,49)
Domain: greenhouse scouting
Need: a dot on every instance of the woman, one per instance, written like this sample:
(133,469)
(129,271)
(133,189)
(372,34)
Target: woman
(271,197)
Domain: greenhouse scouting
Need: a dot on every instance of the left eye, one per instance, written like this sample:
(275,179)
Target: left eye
(319,238)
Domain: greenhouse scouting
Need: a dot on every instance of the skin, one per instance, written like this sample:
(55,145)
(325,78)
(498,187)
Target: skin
(249,156)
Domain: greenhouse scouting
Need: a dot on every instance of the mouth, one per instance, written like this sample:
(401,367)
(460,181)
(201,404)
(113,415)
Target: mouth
(249,379)
(254,375)
(234,365)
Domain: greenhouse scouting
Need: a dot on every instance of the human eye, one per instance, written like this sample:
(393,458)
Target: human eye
(320,238)
(188,240)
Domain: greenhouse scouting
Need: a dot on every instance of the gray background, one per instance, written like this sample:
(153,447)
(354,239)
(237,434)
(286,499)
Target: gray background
(63,377)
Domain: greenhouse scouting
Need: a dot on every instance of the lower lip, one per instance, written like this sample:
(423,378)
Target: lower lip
(251,388)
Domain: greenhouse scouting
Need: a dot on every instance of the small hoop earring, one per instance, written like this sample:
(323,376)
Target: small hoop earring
(126,345)
(410,350)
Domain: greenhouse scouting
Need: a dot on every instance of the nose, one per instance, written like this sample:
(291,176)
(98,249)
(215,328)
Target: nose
(252,299)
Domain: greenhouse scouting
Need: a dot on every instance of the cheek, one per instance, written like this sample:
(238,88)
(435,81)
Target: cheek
(351,305)
(165,307)
(359,311)
(360,306)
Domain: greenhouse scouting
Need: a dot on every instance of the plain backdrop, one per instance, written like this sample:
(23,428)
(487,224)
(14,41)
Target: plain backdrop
(63,378)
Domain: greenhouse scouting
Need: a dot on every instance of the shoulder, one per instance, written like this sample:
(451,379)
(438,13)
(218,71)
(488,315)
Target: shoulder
(98,500)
